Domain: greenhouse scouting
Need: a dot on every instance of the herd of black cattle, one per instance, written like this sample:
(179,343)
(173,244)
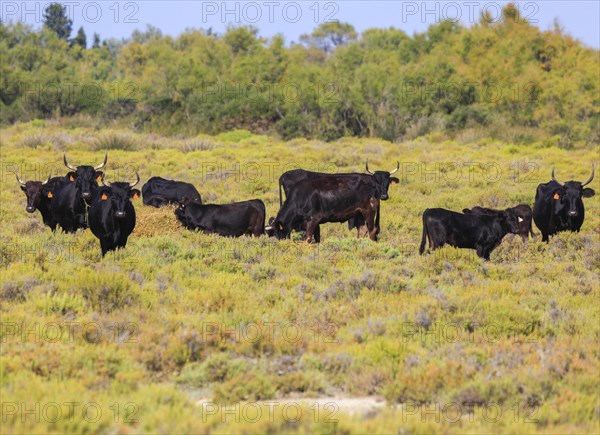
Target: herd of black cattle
(77,201)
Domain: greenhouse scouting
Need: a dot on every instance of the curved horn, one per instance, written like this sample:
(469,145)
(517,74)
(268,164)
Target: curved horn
(46,182)
(397,167)
(101,165)
(367,167)
(18,179)
(67,164)
(138,180)
(554,178)
(591,178)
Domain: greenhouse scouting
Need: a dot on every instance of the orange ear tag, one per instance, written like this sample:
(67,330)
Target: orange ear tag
(135,196)
(394,182)
(49,194)
(71,178)
(104,197)
(556,196)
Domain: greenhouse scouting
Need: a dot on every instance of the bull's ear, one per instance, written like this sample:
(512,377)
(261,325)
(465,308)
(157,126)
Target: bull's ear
(588,193)
(71,176)
(98,176)
(23,188)
(134,194)
(466,210)
(394,180)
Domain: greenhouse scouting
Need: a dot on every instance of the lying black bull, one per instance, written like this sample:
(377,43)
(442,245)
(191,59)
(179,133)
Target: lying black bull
(290,178)
(70,202)
(230,220)
(39,197)
(330,199)
(158,192)
(112,215)
(559,206)
(481,232)
(524,216)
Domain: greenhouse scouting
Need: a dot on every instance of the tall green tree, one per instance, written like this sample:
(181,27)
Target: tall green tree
(55,19)
(80,39)
(330,35)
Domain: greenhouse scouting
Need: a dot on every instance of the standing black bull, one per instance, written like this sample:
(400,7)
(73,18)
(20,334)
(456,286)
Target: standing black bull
(158,191)
(112,215)
(289,178)
(70,201)
(230,220)
(331,199)
(559,206)
(524,216)
(39,197)
(481,232)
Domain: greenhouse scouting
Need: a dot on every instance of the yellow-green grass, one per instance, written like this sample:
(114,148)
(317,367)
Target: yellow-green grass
(179,319)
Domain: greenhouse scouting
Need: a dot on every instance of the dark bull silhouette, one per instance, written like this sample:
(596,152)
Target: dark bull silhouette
(70,202)
(290,178)
(112,215)
(331,199)
(480,232)
(559,206)
(39,197)
(524,217)
(230,220)
(158,191)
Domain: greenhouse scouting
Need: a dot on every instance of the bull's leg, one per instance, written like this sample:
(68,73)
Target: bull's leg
(362,231)
(317,234)
(372,228)
(311,225)
(484,252)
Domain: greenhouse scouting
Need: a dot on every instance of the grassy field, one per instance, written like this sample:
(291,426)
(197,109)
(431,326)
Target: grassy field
(184,332)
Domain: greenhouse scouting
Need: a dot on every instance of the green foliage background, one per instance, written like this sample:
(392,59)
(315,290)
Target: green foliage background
(509,79)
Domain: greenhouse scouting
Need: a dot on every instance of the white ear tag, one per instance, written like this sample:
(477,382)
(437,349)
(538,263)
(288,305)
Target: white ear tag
(520,219)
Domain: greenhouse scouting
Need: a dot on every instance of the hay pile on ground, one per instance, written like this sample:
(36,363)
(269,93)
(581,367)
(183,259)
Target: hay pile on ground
(156,221)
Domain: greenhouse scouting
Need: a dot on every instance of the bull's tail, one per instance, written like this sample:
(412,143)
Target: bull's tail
(280,197)
(424,238)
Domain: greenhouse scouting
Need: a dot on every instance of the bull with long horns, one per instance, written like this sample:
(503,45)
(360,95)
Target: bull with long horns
(559,205)
(70,203)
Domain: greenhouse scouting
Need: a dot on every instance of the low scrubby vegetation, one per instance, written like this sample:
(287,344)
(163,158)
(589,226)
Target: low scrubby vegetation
(165,333)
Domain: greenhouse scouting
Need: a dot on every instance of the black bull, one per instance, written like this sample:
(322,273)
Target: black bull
(289,178)
(158,191)
(112,215)
(524,217)
(481,232)
(559,206)
(70,202)
(332,198)
(230,220)
(39,197)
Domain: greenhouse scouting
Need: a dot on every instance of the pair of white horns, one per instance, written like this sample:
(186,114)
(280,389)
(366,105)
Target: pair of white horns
(22,183)
(582,184)
(369,172)
(130,184)
(74,168)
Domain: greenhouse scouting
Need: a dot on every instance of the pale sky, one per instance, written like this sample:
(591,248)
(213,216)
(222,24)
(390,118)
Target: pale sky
(115,19)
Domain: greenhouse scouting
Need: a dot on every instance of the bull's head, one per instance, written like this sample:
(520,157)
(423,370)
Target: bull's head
(383,180)
(509,219)
(569,196)
(35,191)
(85,177)
(118,195)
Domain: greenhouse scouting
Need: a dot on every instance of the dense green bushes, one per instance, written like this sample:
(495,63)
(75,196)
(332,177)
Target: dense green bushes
(496,77)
